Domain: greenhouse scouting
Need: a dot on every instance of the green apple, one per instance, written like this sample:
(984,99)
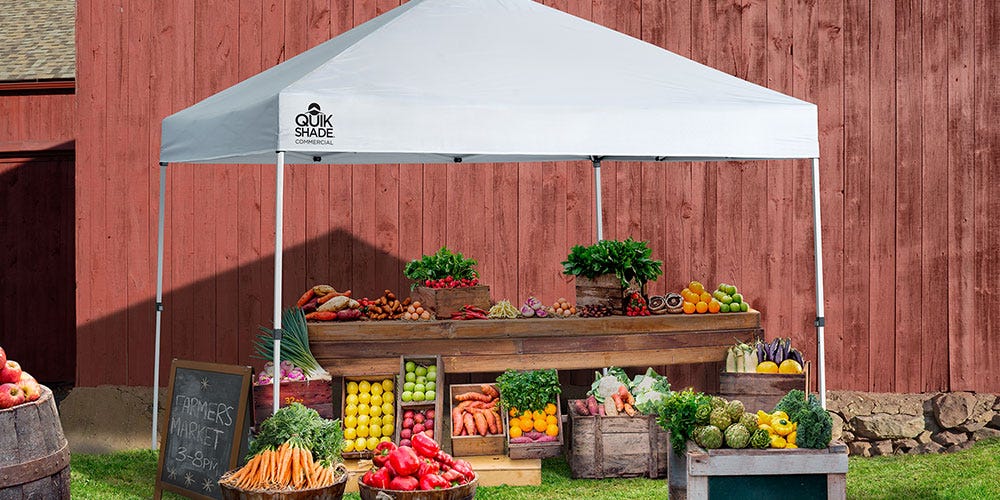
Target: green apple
(410,376)
(737,298)
(419,388)
(421,379)
(724,307)
(407,396)
(430,386)
(432,376)
(410,366)
(418,396)
(744,307)
(421,371)
(408,386)
(430,395)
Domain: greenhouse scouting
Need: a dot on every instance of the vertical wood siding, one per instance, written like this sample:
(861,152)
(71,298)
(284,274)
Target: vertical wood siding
(908,106)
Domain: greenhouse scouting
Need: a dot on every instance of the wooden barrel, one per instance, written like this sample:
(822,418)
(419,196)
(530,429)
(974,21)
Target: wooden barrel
(34,454)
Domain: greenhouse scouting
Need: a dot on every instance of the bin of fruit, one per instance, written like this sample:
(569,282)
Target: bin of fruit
(422,471)
(533,420)
(420,378)
(369,414)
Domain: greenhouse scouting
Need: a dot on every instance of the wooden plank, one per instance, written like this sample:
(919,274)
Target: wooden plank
(935,187)
(908,207)
(857,140)
(987,112)
(504,279)
(881,279)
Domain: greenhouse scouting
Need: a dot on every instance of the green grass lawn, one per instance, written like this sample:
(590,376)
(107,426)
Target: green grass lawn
(971,474)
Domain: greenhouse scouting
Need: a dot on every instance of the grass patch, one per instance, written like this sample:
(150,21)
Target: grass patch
(970,474)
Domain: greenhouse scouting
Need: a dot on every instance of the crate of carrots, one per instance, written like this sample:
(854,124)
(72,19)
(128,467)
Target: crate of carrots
(476,426)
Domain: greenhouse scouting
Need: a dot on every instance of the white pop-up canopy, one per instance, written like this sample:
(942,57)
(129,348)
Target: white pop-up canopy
(437,81)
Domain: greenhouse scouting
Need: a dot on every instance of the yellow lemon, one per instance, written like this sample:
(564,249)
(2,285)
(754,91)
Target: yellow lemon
(352,399)
(376,400)
(372,443)
(350,434)
(375,430)
(363,421)
(375,420)
(350,422)
(364,398)
(387,408)
(790,366)
(387,430)
(364,386)
(363,431)
(360,444)
(387,385)
(767,367)
(348,445)
(364,410)
(352,387)
(388,419)
(376,389)
(375,411)
(351,410)
(384,439)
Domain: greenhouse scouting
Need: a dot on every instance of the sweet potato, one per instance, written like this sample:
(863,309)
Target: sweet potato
(592,405)
(547,439)
(321,316)
(335,304)
(630,410)
(470,424)
(305,298)
(482,427)
(490,391)
(581,407)
(473,396)
(457,422)
(322,290)
(490,420)
(520,440)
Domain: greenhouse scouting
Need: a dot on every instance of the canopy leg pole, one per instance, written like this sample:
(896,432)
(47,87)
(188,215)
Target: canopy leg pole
(598,213)
(159,300)
(279,208)
(820,319)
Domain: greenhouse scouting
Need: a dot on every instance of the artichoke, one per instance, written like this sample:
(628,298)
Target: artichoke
(735,409)
(760,439)
(749,420)
(720,418)
(710,438)
(702,414)
(737,436)
(718,402)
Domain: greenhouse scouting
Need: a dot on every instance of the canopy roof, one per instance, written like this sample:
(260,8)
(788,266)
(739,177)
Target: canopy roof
(488,81)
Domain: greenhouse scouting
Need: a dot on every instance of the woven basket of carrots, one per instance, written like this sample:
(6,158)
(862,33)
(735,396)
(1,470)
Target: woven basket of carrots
(296,455)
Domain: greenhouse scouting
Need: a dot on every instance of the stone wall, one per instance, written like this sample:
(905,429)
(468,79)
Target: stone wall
(886,424)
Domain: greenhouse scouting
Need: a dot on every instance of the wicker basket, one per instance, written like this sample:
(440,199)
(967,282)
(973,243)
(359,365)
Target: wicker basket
(333,492)
(465,491)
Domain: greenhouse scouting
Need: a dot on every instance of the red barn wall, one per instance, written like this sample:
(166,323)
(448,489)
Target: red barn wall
(37,268)
(908,105)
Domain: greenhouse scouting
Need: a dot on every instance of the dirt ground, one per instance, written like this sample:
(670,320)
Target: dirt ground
(108,418)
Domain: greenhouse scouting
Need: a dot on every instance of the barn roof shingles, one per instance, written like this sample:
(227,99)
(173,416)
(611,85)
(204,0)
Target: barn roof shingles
(37,40)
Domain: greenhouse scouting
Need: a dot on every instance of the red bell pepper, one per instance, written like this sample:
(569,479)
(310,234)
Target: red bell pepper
(404,483)
(367,478)
(444,458)
(464,468)
(381,478)
(453,476)
(382,451)
(434,482)
(424,445)
(404,461)
(428,466)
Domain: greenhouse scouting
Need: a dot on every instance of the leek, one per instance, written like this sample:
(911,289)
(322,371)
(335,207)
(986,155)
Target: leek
(294,344)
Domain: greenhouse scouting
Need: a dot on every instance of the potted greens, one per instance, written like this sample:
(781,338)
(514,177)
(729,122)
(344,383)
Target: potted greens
(604,270)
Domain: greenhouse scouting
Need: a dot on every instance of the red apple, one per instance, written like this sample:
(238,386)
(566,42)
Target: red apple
(32,391)
(405,442)
(407,423)
(428,424)
(430,414)
(418,418)
(3,357)
(405,434)
(10,396)
(11,373)
(418,428)
(26,376)
(408,414)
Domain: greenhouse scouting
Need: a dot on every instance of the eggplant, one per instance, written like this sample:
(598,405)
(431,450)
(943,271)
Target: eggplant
(797,356)
(772,350)
(761,356)
(781,353)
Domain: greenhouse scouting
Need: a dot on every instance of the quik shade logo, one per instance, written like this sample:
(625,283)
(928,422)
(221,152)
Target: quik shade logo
(314,126)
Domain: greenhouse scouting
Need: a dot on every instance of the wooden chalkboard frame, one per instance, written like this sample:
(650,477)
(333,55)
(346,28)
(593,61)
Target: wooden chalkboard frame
(242,419)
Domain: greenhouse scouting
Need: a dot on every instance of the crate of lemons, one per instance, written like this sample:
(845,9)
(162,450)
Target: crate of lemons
(369,414)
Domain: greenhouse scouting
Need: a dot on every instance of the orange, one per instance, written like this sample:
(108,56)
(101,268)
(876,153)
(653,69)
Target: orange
(515,432)
(526,415)
(514,422)
(696,287)
(526,424)
(538,414)
(790,366)
(550,409)
(689,307)
(685,292)
(705,297)
(714,306)
(551,419)
(512,412)
(541,425)
(767,367)
(701,307)
(552,430)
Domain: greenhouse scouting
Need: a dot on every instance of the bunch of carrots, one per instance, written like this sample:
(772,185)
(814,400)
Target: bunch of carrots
(476,413)
(289,467)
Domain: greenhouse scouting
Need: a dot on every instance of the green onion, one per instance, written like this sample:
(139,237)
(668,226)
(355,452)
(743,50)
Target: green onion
(294,344)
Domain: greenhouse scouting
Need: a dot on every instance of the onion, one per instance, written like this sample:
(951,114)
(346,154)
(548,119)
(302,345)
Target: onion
(527,311)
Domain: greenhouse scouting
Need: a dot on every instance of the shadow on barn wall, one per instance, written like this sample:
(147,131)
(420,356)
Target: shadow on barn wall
(37,262)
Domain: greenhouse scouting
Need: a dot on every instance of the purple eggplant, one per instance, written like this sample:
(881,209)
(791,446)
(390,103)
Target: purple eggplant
(761,356)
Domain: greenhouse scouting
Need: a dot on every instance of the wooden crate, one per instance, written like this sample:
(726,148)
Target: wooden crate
(445,301)
(536,450)
(623,446)
(605,290)
(751,473)
(367,454)
(464,446)
(437,405)
(316,394)
(759,391)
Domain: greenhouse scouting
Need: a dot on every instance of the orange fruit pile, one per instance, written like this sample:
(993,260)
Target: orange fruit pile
(698,300)
(539,420)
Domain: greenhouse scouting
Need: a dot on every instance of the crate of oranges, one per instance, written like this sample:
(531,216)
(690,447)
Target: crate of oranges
(368,414)
(535,434)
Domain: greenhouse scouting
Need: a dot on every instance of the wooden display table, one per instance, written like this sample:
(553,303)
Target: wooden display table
(374,347)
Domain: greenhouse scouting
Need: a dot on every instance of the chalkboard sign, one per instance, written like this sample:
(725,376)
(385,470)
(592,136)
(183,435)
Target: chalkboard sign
(206,431)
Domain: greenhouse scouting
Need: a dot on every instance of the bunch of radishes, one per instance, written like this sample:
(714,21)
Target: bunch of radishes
(16,386)
(288,371)
(415,422)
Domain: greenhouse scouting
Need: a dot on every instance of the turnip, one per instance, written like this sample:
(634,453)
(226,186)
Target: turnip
(527,311)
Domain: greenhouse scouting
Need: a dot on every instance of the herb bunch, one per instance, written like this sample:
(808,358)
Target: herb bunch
(528,390)
(676,414)
(629,260)
(815,426)
(440,265)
